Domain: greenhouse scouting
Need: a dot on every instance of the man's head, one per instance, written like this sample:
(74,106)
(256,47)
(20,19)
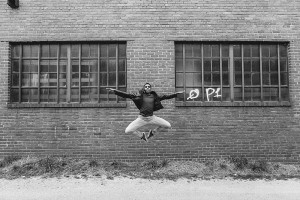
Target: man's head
(147,87)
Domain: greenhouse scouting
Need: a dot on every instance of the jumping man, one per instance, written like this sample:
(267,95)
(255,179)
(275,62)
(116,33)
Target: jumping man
(147,101)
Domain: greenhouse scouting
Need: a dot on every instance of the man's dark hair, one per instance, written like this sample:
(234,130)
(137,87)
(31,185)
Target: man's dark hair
(147,84)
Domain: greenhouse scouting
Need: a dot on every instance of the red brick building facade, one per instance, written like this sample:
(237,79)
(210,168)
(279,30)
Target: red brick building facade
(51,104)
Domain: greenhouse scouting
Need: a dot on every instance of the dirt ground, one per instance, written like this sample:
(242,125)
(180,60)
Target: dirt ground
(135,189)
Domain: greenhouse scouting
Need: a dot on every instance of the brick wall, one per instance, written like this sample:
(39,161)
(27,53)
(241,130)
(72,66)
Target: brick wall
(150,29)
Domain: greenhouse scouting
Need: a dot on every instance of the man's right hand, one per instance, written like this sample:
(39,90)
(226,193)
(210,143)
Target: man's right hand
(111,89)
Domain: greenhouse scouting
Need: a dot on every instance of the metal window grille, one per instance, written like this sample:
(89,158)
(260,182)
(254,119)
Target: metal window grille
(67,73)
(237,72)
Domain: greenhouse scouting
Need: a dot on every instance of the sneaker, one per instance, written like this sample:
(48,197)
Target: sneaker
(144,137)
(150,134)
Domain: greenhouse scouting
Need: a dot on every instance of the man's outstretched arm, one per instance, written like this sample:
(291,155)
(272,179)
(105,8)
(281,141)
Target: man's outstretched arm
(121,93)
(164,97)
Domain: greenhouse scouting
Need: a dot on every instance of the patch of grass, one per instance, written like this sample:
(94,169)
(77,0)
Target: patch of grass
(56,166)
(7,160)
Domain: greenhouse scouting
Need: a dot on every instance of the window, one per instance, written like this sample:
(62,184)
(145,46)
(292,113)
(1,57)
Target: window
(75,73)
(232,74)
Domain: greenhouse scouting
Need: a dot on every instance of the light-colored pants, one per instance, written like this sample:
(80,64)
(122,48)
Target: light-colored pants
(142,121)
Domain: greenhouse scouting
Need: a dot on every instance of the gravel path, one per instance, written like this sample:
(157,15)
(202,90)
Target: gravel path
(131,189)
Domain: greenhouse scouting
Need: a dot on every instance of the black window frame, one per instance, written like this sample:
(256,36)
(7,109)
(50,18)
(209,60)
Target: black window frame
(182,85)
(115,48)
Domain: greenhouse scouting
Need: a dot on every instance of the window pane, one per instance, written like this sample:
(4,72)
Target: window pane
(122,50)
(247,94)
(179,65)
(225,78)
(236,50)
(265,65)
(206,51)
(189,79)
(62,67)
(122,65)
(63,80)
(53,51)
(197,50)
(53,79)
(112,66)
(62,95)
(255,50)
(225,94)
(216,79)
(189,65)
(16,51)
(266,79)
(103,66)
(112,79)
(75,51)
(265,51)
(225,50)
(197,65)
(207,79)
(112,50)
(197,79)
(75,95)
(15,79)
(103,50)
(44,79)
(207,65)
(75,80)
(273,51)
(283,67)
(216,65)
(103,79)
(274,79)
(85,50)
(45,51)
(283,79)
(15,66)
(284,94)
(274,96)
(274,65)
(85,95)
(44,95)
(255,79)
(238,79)
(266,94)
(247,79)
(247,66)
(122,79)
(238,94)
(14,95)
(247,51)
(52,95)
(25,95)
(63,51)
(25,80)
(237,66)
(188,50)
(215,50)
(255,65)
(26,51)
(283,50)
(179,80)
(225,65)
(178,51)
(256,94)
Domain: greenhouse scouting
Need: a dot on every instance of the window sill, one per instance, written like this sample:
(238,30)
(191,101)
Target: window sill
(68,105)
(233,104)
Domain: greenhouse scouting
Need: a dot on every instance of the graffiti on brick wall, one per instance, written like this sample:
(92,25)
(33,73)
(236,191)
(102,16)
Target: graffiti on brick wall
(210,92)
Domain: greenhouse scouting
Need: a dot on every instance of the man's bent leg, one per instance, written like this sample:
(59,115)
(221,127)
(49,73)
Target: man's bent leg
(162,124)
(133,126)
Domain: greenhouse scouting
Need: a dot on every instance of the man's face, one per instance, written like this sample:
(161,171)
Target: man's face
(147,88)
